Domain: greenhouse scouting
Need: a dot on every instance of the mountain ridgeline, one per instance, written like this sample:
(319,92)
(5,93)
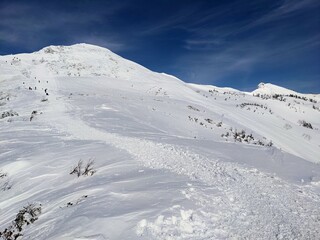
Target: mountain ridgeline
(90,141)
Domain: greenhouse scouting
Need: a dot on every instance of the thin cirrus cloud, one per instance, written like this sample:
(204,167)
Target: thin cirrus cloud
(204,35)
(236,50)
(31,26)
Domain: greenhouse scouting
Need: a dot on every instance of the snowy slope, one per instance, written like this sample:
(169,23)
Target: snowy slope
(171,160)
(268,88)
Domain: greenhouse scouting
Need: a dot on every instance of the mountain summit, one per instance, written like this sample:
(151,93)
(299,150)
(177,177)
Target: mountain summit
(94,146)
(268,88)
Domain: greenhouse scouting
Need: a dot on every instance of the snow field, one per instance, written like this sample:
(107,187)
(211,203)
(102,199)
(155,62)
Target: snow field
(159,174)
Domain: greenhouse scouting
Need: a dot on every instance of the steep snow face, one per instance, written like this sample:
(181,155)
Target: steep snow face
(83,60)
(171,160)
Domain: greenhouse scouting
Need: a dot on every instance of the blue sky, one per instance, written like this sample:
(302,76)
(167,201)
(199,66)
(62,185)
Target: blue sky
(223,43)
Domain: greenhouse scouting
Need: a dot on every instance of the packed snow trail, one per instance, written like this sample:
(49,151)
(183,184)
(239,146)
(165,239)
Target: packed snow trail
(235,202)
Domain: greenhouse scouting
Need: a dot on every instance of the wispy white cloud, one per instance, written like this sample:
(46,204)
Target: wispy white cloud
(284,10)
(308,84)
(220,51)
(203,44)
(204,36)
(241,59)
(174,20)
(29,26)
(102,41)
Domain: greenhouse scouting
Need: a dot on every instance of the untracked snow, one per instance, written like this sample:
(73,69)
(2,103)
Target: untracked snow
(171,160)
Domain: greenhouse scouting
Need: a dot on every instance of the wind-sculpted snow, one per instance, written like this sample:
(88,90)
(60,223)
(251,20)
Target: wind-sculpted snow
(242,198)
(169,160)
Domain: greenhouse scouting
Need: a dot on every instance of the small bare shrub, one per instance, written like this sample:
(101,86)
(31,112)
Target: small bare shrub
(193,108)
(7,185)
(77,169)
(75,202)
(87,170)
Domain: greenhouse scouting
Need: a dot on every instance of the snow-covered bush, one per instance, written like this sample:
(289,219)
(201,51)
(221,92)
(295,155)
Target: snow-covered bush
(5,184)
(26,216)
(193,108)
(255,106)
(49,50)
(305,124)
(287,126)
(2,174)
(208,120)
(194,119)
(306,136)
(316,108)
(279,97)
(243,137)
(8,114)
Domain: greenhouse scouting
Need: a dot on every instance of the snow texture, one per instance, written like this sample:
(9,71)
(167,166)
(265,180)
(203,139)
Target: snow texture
(171,160)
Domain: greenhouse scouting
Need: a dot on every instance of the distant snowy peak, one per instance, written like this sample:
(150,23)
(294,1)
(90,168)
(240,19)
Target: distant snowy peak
(84,60)
(87,60)
(270,89)
(80,47)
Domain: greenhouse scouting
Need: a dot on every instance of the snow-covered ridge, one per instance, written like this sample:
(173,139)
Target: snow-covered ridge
(84,47)
(88,64)
(83,60)
(271,89)
(268,88)
(93,146)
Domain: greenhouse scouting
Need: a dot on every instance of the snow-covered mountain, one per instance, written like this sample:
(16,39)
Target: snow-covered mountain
(94,146)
